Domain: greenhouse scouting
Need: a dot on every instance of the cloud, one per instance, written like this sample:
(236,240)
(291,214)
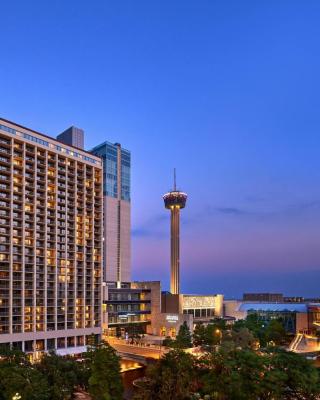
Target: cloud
(153,228)
(300,207)
(157,227)
(231,211)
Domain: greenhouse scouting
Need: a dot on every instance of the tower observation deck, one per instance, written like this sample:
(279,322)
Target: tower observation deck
(174,201)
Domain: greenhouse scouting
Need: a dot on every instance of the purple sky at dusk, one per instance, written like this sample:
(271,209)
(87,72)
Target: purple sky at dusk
(225,91)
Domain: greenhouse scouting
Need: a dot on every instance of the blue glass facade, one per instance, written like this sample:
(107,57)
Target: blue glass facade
(114,167)
(125,175)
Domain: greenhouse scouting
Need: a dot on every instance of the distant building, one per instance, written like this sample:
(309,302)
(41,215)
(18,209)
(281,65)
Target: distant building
(117,210)
(72,136)
(296,317)
(202,308)
(265,297)
(300,299)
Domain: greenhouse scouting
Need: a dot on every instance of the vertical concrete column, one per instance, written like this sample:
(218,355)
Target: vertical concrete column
(175,250)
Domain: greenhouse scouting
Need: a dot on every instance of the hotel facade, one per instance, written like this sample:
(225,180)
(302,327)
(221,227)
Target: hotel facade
(51,230)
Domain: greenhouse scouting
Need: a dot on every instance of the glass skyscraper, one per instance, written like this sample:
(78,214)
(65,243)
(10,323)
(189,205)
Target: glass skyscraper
(117,209)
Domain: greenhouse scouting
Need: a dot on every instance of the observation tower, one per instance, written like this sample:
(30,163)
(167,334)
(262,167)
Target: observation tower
(174,201)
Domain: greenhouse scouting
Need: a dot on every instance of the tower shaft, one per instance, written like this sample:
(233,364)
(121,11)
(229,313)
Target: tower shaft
(175,250)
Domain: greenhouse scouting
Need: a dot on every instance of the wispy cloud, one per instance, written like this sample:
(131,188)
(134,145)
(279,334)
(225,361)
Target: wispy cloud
(153,228)
(267,211)
(157,227)
(230,210)
(304,206)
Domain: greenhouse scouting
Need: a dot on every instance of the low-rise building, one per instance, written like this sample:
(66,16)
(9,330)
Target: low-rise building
(203,308)
(266,297)
(131,308)
(296,317)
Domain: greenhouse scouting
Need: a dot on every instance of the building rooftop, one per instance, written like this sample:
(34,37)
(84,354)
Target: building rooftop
(106,143)
(89,156)
(290,307)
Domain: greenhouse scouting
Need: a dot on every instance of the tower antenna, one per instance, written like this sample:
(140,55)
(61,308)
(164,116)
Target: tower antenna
(174,180)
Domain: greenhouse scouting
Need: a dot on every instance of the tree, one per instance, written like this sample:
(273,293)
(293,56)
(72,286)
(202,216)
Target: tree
(18,375)
(243,338)
(184,337)
(225,377)
(302,379)
(255,325)
(63,375)
(105,381)
(199,335)
(213,334)
(209,335)
(174,377)
(231,373)
(246,375)
(275,332)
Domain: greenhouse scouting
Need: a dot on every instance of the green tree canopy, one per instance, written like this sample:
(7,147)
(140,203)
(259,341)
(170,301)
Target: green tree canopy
(172,378)
(105,381)
(275,332)
(63,375)
(184,337)
(18,375)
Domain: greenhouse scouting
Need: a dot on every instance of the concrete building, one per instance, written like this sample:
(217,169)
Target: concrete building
(266,297)
(72,136)
(131,308)
(117,212)
(203,308)
(50,242)
(168,324)
(135,308)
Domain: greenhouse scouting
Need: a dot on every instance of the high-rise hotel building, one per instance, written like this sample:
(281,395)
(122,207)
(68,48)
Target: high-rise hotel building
(51,206)
(117,208)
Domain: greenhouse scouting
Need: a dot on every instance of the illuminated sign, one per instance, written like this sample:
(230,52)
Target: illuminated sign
(172,318)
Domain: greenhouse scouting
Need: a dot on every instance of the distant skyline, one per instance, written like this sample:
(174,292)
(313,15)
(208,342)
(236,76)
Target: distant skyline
(226,92)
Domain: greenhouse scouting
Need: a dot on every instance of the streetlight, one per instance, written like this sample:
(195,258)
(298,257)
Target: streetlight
(16,397)
(219,333)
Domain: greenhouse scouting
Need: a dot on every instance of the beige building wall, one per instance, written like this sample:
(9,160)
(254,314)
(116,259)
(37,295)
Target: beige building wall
(302,323)
(51,241)
(231,309)
(199,302)
(125,241)
(168,324)
(117,240)
(111,215)
(155,287)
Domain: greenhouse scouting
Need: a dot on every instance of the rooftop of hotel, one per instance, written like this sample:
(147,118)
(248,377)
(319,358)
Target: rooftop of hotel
(13,128)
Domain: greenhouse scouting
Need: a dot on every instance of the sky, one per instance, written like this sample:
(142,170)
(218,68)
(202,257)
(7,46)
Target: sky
(227,92)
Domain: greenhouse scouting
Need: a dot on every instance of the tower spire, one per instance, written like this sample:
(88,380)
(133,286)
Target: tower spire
(174,180)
